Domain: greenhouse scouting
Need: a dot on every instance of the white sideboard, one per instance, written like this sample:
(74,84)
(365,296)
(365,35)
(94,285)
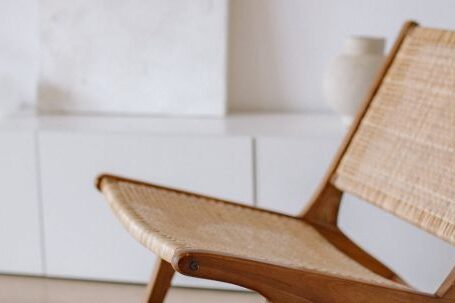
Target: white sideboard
(53,222)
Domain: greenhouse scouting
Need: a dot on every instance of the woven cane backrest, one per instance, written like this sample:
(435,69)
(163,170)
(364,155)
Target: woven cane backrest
(402,156)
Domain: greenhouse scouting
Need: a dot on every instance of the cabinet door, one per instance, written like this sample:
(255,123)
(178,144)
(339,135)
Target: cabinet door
(83,239)
(20,228)
(288,170)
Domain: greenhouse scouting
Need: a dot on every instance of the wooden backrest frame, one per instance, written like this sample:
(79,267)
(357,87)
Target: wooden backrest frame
(324,206)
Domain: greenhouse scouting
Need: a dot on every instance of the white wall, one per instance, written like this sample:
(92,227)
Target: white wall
(279,49)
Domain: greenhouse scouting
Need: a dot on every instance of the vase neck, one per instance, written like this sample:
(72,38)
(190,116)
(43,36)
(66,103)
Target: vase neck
(364,45)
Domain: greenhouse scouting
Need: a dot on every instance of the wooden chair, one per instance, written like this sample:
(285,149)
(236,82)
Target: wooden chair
(399,155)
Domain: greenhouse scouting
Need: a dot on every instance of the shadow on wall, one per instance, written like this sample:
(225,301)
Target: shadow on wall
(274,50)
(52,96)
(253,62)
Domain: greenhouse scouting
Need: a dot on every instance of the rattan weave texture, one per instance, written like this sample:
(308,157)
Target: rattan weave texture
(402,157)
(166,221)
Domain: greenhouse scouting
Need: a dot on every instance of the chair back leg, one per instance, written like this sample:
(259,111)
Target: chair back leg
(160,282)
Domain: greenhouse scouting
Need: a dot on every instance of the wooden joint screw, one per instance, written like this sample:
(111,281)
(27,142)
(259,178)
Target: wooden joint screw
(194,266)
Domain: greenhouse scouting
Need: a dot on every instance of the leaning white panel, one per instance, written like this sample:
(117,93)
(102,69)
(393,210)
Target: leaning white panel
(144,56)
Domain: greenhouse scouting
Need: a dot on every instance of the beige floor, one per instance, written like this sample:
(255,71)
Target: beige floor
(15,289)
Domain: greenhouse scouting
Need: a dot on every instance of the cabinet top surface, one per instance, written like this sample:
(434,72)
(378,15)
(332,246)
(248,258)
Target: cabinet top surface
(311,124)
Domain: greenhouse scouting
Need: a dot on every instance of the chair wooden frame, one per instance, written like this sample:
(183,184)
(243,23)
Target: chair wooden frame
(279,284)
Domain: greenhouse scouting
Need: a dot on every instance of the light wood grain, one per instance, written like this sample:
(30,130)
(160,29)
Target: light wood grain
(283,285)
(20,289)
(160,282)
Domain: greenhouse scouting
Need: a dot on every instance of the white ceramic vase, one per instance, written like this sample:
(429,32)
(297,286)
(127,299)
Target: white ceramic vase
(350,75)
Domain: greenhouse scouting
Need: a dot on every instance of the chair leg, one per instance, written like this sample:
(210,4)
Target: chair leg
(160,282)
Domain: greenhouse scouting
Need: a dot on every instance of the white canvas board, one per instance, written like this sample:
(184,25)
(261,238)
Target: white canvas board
(137,57)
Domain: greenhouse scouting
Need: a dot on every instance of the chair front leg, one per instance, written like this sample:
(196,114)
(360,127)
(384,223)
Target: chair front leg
(160,282)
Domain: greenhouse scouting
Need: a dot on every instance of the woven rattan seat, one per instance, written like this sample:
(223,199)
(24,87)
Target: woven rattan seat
(398,155)
(166,221)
